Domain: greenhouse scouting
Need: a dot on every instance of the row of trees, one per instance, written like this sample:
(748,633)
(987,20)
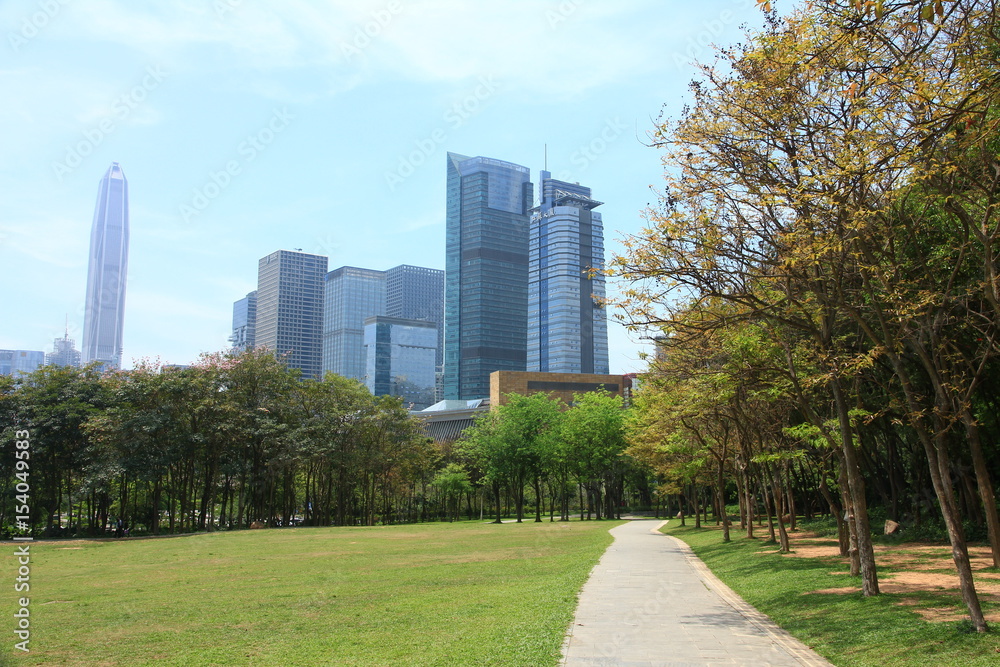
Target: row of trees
(824,266)
(535,443)
(232,440)
(238,439)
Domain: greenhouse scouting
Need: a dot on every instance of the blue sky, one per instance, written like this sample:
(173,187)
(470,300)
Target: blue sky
(245,127)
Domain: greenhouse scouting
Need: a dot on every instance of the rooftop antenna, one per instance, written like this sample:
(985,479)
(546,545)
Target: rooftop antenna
(546,159)
(66,337)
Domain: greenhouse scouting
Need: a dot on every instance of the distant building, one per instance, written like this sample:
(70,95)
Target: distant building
(244,334)
(104,316)
(20,362)
(64,353)
(417,293)
(567,322)
(353,294)
(290,308)
(350,296)
(557,385)
(486,272)
(446,420)
(399,359)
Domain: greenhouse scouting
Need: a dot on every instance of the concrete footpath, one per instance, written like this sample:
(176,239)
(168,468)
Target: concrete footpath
(651,601)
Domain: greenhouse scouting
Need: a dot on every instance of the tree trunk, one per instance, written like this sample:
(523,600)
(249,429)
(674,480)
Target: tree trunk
(984,482)
(859,504)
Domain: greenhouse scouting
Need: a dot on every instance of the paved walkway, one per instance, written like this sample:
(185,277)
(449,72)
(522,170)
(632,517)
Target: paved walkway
(651,601)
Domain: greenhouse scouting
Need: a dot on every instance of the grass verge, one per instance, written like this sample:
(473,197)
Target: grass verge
(846,628)
(432,594)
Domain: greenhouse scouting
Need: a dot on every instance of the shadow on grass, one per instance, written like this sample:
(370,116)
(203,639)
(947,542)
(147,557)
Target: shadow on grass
(846,627)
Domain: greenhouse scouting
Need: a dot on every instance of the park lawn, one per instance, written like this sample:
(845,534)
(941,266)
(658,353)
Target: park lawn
(430,594)
(840,624)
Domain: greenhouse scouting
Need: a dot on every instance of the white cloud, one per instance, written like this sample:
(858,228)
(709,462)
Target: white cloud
(546,49)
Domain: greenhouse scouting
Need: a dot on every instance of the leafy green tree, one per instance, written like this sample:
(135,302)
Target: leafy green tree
(452,483)
(594,433)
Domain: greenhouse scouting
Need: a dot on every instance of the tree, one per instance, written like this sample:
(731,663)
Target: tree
(594,433)
(801,182)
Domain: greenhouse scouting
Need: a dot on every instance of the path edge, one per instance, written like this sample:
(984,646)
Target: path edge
(794,646)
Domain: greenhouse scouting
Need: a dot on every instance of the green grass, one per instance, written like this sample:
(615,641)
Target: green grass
(431,594)
(847,629)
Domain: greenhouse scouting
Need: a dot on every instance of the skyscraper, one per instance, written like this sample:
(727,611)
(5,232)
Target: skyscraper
(417,293)
(244,336)
(486,272)
(350,296)
(290,308)
(567,322)
(104,314)
(64,352)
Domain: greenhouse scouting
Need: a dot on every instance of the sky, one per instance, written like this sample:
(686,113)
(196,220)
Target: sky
(247,127)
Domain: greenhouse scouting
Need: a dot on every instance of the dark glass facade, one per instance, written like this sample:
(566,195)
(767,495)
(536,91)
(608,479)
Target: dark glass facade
(486,273)
(290,308)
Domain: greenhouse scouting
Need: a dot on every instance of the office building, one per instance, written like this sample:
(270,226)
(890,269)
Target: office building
(104,315)
(353,294)
(486,272)
(567,321)
(20,362)
(64,352)
(350,296)
(399,359)
(244,334)
(556,385)
(417,293)
(290,308)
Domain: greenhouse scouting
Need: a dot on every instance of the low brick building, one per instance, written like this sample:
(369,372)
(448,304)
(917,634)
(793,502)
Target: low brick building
(559,385)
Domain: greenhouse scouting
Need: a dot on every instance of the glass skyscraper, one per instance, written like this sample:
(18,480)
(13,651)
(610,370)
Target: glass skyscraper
(244,336)
(417,293)
(567,322)
(290,308)
(399,359)
(351,295)
(486,272)
(104,314)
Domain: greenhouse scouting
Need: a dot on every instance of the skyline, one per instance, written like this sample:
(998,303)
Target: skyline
(247,129)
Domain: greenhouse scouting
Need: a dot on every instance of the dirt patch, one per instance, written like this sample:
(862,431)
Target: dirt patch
(943,614)
(924,568)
